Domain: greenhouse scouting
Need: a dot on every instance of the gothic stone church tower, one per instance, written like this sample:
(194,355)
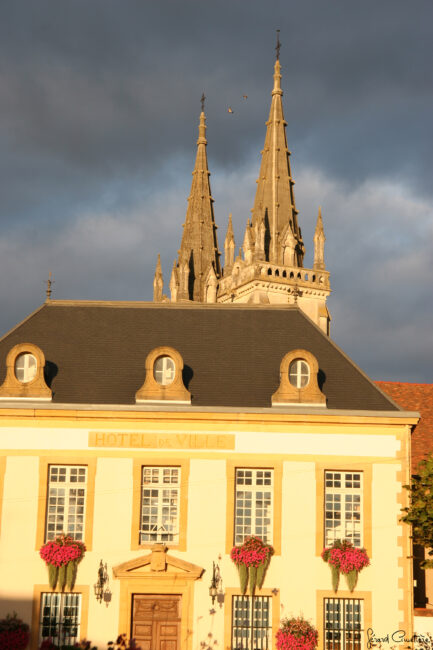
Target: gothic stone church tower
(269,269)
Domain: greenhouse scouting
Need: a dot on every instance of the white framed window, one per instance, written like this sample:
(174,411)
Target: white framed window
(299,373)
(25,367)
(343,507)
(253,504)
(66,501)
(160,504)
(251,623)
(343,623)
(60,617)
(163,370)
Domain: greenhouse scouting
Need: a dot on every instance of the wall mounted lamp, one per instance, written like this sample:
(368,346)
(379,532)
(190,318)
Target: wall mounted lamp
(101,586)
(215,589)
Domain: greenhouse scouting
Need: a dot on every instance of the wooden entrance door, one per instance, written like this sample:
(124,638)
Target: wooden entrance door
(156,621)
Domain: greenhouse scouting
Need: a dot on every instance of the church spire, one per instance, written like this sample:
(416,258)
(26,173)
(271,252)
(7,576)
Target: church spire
(199,246)
(275,200)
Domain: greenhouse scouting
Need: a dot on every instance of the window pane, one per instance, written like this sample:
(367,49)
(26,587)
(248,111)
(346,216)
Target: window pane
(60,616)
(343,507)
(25,367)
(299,373)
(160,504)
(343,627)
(253,504)
(66,504)
(251,623)
(163,370)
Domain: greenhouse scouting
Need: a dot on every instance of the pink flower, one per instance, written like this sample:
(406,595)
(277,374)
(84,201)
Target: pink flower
(345,557)
(62,550)
(253,552)
(296,634)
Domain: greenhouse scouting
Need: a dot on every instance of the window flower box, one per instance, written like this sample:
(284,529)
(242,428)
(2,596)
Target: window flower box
(62,556)
(252,559)
(345,558)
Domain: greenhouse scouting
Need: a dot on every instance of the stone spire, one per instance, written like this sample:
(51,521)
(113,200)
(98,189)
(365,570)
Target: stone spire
(229,247)
(319,243)
(158,282)
(199,246)
(269,270)
(275,200)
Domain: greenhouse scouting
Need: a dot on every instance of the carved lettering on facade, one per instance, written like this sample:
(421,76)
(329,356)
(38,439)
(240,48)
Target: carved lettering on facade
(162,440)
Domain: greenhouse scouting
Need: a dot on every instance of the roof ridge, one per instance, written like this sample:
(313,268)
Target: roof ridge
(15,327)
(189,304)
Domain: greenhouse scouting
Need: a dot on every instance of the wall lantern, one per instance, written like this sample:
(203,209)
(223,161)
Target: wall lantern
(101,586)
(215,588)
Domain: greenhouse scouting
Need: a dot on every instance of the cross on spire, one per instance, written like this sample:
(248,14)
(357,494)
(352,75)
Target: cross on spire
(203,97)
(278,46)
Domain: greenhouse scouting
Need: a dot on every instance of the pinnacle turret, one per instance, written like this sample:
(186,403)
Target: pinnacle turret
(229,247)
(158,281)
(174,283)
(248,244)
(319,243)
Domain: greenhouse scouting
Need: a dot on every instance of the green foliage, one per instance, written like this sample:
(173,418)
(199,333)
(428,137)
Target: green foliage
(261,572)
(253,579)
(53,572)
(71,573)
(335,577)
(61,577)
(352,579)
(243,577)
(12,623)
(419,514)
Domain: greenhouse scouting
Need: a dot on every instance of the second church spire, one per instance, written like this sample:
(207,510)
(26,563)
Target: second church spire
(199,247)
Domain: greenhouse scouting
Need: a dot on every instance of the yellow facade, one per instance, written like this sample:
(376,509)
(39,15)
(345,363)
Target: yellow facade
(208,447)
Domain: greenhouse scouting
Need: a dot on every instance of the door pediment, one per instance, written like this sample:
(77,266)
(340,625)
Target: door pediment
(157,563)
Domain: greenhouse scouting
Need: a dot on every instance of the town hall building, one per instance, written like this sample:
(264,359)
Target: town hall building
(162,434)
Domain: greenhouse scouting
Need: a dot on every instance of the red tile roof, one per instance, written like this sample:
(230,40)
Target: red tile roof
(415,397)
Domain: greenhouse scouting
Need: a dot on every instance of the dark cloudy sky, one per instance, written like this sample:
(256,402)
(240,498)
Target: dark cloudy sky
(99,105)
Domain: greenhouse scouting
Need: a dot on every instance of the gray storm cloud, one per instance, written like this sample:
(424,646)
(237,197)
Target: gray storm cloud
(99,107)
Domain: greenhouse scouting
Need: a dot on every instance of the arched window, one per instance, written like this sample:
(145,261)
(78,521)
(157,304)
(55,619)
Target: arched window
(299,373)
(163,370)
(26,366)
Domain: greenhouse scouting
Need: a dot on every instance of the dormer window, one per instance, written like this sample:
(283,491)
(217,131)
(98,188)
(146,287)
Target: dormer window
(299,381)
(299,373)
(25,367)
(164,370)
(25,378)
(164,380)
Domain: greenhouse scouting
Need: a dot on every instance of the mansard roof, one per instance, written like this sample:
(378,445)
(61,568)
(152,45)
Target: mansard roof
(95,352)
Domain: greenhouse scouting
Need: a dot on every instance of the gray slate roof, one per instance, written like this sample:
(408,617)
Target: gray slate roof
(96,352)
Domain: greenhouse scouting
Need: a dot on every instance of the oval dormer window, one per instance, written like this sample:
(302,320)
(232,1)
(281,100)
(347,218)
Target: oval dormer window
(163,370)
(299,373)
(25,367)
